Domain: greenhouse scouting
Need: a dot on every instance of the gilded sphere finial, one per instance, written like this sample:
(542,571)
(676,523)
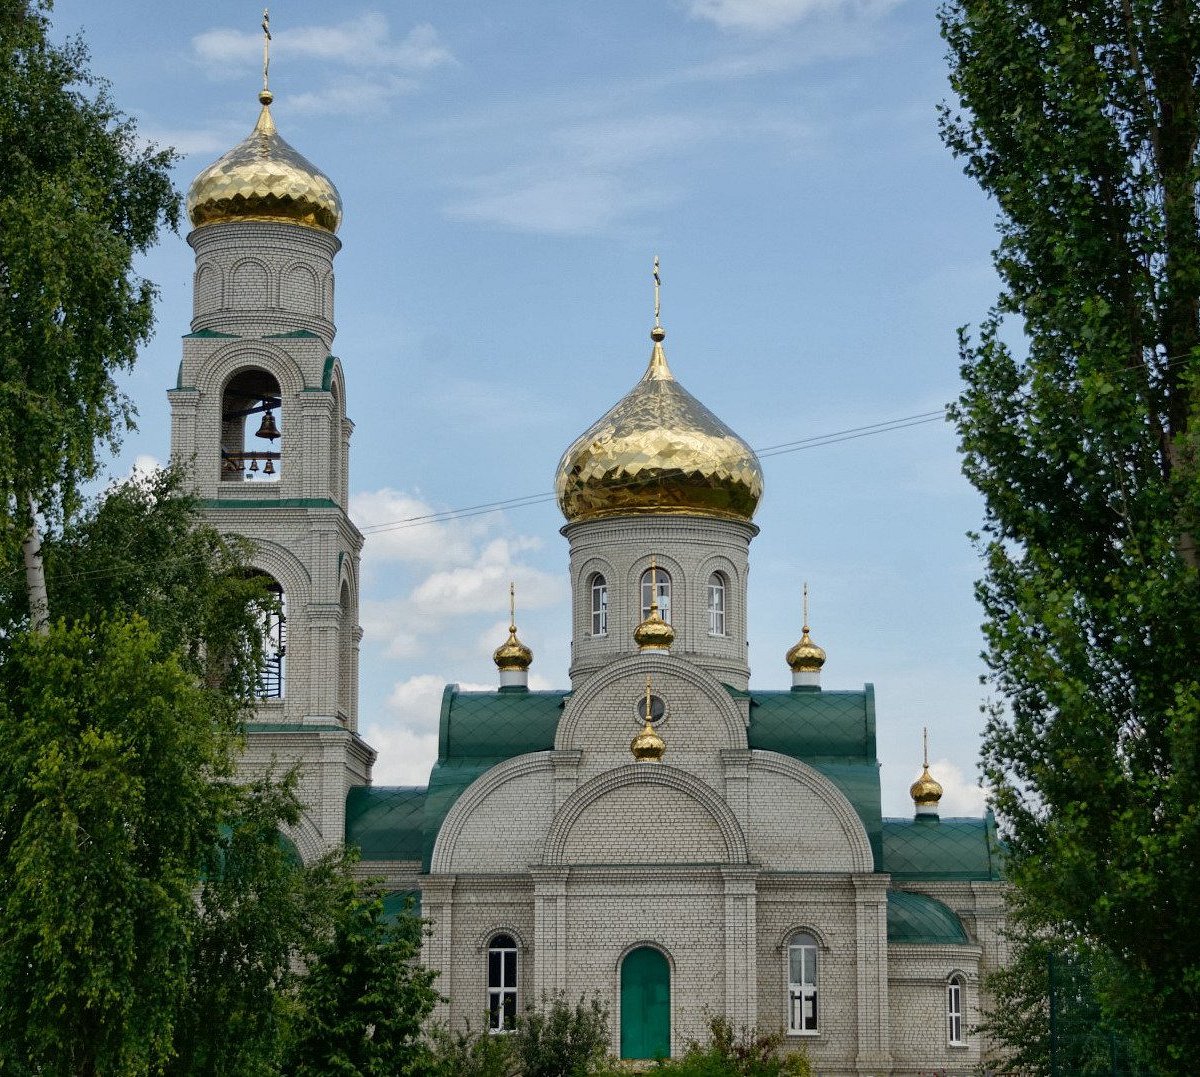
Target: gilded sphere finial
(265,97)
(658,334)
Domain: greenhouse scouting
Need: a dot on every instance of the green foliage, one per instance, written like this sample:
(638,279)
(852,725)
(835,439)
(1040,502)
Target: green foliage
(1047,1012)
(1082,120)
(744,1053)
(562,1040)
(259,911)
(108,797)
(365,996)
(471,1053)
(80,198)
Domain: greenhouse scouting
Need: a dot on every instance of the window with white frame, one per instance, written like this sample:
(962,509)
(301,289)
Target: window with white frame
(599,605)
(502,983)
(802,985)
(716,604)
(954,1010)
(649,579)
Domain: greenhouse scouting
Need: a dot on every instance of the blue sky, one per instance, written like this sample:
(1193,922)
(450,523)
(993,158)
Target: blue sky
(508,173)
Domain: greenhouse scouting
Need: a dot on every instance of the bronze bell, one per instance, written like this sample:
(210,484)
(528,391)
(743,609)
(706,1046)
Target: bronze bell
(269,467)
(267,428)
(254,463)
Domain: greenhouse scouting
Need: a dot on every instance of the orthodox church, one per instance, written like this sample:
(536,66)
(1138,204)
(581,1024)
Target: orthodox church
(658,831)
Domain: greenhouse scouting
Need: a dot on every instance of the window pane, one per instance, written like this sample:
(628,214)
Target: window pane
(510,1009)
(796,960)
(494,968)
(495,1014)
(510,968)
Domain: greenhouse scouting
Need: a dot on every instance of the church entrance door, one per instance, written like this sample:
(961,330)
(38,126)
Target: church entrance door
(645,1004)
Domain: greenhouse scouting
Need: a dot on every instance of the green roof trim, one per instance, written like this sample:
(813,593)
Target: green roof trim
(929,849)
(386,823)
(397,903)
(804,725)
(293,334)
(496,725)
(920,919)
(327,373)
(269,503)
(210,334)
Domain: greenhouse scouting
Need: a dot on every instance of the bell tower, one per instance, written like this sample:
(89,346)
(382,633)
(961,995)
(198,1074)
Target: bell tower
(258,417)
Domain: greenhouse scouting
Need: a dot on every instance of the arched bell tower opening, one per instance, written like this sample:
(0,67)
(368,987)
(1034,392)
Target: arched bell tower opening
(273,675)
(251,427)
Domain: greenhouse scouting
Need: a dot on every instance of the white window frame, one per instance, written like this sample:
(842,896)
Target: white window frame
(502,988)
(663,579)
(716,604)
(803,990)
(599,605)
(954,1011)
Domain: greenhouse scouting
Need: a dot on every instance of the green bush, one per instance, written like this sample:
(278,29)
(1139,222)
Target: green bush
(744,1053)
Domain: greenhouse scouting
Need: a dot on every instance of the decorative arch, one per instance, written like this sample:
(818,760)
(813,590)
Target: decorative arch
(283,565)
(327,293)
(644,774)
(801,773)
(300,290)
(802,928)
(473,797)
(505,928)
(249,285)
(680,582)
(208,287)
(305,836)
(584,577)
(635,667)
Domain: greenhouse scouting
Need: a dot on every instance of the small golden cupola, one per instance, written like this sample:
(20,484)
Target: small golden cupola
(806,658)
(264,179)
(512,657)
(658,450)
(926,791)
(648,746)
(654,634)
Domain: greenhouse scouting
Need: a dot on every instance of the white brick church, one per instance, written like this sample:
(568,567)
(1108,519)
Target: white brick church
(658,831)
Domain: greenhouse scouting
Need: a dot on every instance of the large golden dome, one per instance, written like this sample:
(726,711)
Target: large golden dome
(263,179)
(659,450)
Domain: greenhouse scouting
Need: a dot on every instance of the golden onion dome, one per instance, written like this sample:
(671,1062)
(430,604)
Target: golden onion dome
(263,179)
(512,654)
(806,656)
(926,791)
(654,634)
(648,746)
(659,450)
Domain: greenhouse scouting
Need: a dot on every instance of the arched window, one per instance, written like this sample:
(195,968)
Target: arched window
(663,580)
(346,655)
(599,605)
(502,983)
(251,415)
(716,604)
(954,1010)
(274,628)
(802,985)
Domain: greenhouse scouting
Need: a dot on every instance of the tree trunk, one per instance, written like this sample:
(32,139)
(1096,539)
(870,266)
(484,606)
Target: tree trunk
(35,577)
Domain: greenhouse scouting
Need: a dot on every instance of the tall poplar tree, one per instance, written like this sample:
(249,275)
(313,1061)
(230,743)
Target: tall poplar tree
(80,197)
(1080,424)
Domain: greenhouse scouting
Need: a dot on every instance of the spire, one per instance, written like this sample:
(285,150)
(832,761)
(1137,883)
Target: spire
(806,658)
(512,657)
(658,369)
(265,96)
(648,746)
(654,634)
(926,790)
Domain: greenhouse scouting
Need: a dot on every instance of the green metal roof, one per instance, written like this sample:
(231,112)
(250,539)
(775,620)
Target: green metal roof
(928,848)
(917,918)
(386,823)
(815,725)
(496,725)
(834,732)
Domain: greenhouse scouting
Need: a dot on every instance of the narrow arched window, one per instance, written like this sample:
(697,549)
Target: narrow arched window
(599,605)
(802,985)
(954,1010)
(716,604)
(649,579)
(346,642)
(251,421)
(502,983)
(274,629)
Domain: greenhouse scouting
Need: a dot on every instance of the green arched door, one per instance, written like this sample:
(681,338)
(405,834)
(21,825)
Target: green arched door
(645,1004)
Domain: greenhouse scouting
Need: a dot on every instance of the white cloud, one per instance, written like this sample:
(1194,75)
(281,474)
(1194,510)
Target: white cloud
(481,587)
(761,16)
(145,466)
(961,796)
(405,757)
(362,42)
(414,539)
